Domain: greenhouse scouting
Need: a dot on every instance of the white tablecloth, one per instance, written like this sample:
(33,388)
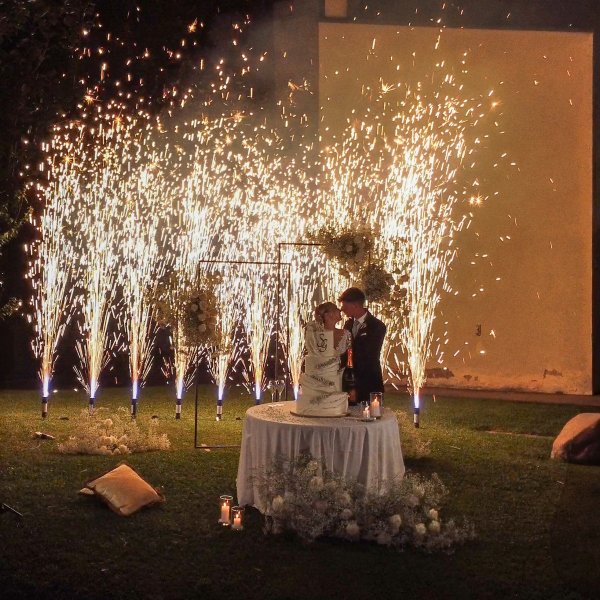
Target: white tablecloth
(368,452)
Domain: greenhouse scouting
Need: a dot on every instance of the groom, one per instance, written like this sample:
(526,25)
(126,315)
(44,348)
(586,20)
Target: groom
(367,339)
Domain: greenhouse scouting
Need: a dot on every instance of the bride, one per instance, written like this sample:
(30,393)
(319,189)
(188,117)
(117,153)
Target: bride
(321,383)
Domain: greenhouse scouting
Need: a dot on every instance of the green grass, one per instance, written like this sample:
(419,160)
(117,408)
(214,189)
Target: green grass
(537,520)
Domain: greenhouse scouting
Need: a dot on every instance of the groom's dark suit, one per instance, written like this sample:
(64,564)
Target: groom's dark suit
(366,346)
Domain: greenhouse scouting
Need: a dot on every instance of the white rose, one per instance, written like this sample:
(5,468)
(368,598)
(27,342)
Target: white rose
(352,529)
(202,328)
(277,504)
(203,305)
(201,317)
(344,499)
(412,501)
(434,526)
(315,484)
(395,521)
(194,307)
(108,422)
(433,514)
(123,449)
(349,248)
(420,529)
(346,514)
(312,466)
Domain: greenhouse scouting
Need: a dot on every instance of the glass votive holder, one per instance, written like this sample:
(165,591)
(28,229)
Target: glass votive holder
(366,410)
(376,403)
(237,522)
(225,505)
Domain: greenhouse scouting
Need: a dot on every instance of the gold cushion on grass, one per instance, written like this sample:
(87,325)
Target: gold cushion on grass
(124,490)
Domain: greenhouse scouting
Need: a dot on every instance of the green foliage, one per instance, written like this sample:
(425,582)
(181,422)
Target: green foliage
(38,74)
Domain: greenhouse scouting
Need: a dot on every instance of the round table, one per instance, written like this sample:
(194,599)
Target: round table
(367,452)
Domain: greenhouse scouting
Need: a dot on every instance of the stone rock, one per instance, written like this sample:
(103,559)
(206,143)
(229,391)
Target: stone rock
(579,440)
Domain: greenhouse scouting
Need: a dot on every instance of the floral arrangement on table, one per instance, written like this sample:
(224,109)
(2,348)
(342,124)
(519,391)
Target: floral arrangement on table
(193,308)
(350,248)
(113,434)
(304,498)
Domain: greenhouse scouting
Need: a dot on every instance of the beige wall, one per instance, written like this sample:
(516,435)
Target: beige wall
(541,207)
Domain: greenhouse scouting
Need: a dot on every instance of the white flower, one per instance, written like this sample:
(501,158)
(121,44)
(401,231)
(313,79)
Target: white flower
(349,248)
(203,305)
(194,307)
(312,466)
(201,317)
(321,506)
(412,501)
(108,422)
(395,521)
(357,239)
(384,538)
(346,514)
(277,504)
(123,449)
(420,529)
(419,491)
(331,485)
(202,328)
(434,527)
(352,529)
(315,484)
(433,514)
(344,499)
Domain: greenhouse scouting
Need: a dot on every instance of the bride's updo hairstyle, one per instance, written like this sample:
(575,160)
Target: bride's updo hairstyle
(322,310)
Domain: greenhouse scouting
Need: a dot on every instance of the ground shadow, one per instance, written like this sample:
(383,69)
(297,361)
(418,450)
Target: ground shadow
(575,534)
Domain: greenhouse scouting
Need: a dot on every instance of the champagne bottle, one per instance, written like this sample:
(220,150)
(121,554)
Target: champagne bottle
(348,376)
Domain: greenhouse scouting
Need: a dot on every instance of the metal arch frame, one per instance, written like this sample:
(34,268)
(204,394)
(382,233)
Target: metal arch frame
(278,264)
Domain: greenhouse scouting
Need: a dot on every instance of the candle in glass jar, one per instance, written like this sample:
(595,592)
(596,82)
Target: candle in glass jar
(224,513)
(376,408)
(366,413)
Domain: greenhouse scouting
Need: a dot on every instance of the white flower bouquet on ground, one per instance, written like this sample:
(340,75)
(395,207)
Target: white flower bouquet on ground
(304,498)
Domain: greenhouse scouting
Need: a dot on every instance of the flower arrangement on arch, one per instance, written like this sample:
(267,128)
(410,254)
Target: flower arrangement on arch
(193,308)
(376,283)
(350,248)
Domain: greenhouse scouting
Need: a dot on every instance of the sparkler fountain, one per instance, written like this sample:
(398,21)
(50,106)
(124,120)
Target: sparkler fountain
(97,243)
(225,352)
(420,209)
(52,257)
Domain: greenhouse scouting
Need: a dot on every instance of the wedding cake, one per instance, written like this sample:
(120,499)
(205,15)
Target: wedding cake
(321,392)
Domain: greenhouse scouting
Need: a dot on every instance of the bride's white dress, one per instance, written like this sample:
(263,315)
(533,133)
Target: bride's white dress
(321,383)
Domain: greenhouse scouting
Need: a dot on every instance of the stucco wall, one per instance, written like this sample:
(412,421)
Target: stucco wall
(529,247)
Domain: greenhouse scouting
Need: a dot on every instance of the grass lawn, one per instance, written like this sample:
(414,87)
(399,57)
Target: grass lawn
(537,521)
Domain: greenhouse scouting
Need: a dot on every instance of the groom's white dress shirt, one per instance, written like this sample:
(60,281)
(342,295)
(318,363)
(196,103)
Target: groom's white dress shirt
(356,325)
